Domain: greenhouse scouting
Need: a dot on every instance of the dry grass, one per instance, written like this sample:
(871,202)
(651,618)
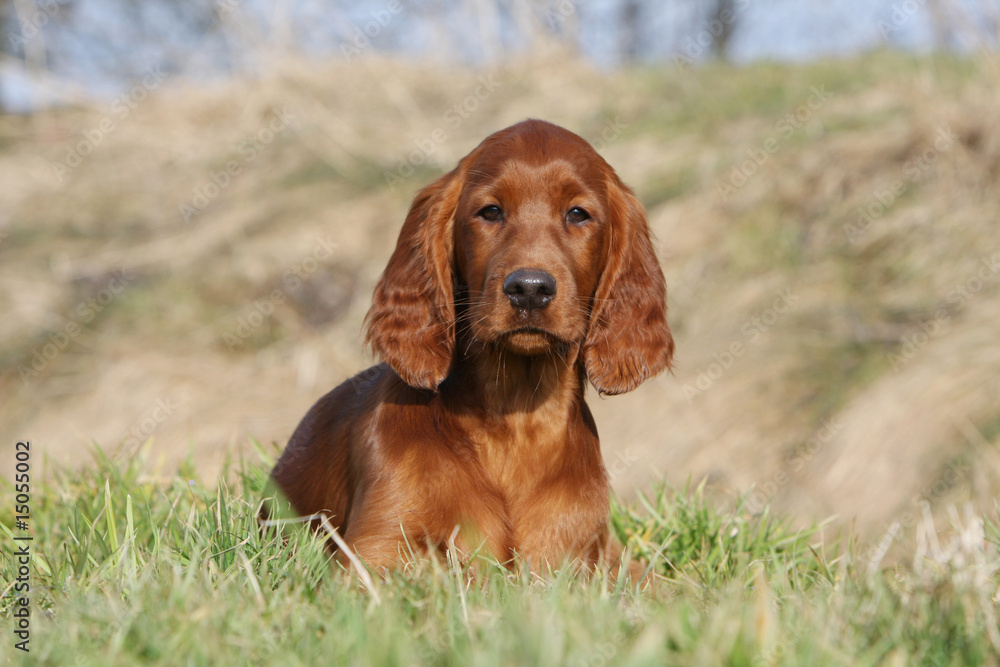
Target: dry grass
(156,359)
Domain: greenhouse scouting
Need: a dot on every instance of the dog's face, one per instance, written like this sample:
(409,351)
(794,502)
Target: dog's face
(531,232)
(531,244)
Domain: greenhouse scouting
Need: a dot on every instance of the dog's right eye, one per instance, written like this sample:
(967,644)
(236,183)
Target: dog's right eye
(493,213)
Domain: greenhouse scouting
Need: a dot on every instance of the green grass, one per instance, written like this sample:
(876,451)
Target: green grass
(130,570)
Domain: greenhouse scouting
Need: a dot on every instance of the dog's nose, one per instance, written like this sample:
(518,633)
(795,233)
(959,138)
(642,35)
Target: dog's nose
(529,288)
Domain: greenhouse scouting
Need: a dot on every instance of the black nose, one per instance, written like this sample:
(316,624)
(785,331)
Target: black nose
(529,288)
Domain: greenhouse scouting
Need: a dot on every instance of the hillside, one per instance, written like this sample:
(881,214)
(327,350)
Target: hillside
(192,264)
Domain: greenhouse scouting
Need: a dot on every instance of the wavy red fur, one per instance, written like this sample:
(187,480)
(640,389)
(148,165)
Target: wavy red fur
(518,276)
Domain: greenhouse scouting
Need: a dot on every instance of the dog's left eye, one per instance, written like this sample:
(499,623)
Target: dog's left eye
(577,215)
(491,213)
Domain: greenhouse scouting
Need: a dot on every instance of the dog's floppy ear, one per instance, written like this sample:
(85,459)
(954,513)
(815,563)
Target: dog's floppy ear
(628,339)
(411,324)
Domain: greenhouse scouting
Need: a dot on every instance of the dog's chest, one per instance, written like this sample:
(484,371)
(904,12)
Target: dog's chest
(538,496)
(519,452)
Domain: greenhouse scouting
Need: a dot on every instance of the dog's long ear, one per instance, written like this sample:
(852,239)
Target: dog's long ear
(628,339)
(411,324)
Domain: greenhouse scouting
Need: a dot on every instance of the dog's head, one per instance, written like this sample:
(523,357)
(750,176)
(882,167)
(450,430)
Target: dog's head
(536,243)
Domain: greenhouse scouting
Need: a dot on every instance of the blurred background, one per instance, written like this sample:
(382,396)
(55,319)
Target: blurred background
(198,196)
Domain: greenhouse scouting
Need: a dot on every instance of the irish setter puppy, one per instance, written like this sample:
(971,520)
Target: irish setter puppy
(517,277)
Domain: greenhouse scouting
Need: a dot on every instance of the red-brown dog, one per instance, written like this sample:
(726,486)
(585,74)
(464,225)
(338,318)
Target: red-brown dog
(518,276)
